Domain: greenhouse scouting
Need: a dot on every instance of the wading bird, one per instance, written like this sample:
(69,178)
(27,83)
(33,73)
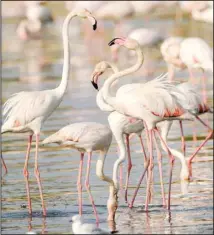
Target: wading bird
(85,137)
(152,102)
(27,111)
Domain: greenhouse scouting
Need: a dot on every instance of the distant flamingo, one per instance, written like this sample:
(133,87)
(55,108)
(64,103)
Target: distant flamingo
(37,16)
(195,53)
(85,137)
(204,15)
(152,102)
(191,53)
(27,111)
(146,37)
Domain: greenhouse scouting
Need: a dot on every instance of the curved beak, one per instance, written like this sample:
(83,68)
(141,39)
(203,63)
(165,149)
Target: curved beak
(93,21)
(119,41)
(94,80)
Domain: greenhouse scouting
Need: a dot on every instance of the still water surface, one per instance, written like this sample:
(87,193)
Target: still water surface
(37,65)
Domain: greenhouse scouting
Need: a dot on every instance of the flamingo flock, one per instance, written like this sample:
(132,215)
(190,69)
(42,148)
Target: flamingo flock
(146,108)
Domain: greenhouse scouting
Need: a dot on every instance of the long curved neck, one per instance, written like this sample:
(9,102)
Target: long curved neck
(66,66)
(112,66)
(99,99)
(107,85)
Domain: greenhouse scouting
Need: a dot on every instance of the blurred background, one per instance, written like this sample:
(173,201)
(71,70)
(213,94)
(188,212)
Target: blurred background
(32,59)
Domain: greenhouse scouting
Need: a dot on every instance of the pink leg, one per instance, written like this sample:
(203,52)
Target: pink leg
(172,159)
(147,141)
(182,138)
(37,174)
(205,124)
(128,168)
(160,172)
(139,183)
(204,92)
(151,165)
(88,187)
(26,174)
(79,183)
(143,148)
(4,164)
(197,150)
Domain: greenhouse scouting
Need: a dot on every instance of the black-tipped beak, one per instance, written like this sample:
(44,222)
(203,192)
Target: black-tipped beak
(112,42)
(95,25)
(94,85)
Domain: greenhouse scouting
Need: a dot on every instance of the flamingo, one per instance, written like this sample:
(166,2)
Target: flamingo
(196,53)
(191,53)
(27,111)
(153,102)
(85,137)
(120,124)
(37,16)
(116,11)
(204,15)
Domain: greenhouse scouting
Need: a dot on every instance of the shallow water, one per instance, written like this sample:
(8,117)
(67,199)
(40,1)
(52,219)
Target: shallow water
(37,65)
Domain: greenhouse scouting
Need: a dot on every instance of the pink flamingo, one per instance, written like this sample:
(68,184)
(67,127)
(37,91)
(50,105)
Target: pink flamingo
(27,111)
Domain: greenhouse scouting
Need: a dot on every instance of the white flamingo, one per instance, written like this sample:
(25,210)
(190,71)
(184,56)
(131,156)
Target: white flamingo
(204,15)
(152,102)
(27,111)
(195,53)
(85,137)
(119,123)
(191,53)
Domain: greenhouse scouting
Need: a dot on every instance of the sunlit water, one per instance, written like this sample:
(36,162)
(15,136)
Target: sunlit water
(37,65)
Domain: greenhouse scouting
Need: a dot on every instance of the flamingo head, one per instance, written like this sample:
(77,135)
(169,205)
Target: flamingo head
(99,69)
(129,43)
(84,13)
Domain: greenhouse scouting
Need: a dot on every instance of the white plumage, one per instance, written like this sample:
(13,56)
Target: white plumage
(196,53)
(153,102)
(79,227)
(86,137)
(83,136)
(27,111)
(146,37)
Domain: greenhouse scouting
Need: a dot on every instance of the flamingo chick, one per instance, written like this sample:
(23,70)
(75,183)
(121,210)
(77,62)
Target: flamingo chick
(27,111)
(85,137)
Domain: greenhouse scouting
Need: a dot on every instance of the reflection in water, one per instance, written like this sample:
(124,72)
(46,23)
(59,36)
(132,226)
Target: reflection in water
(40,66)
